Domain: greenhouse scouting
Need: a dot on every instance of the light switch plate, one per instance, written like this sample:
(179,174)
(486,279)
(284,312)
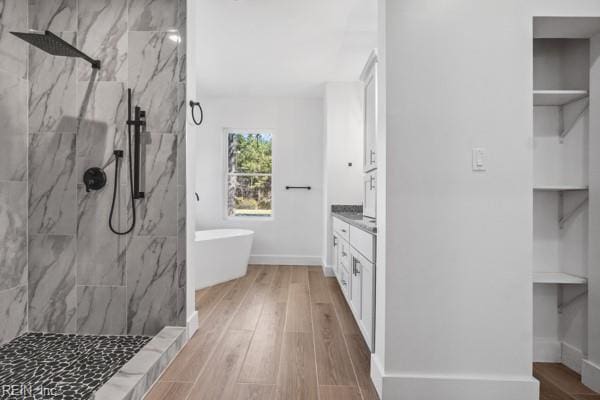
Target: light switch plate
(478,159)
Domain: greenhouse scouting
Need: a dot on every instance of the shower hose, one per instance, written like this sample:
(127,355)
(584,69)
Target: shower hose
(118,155)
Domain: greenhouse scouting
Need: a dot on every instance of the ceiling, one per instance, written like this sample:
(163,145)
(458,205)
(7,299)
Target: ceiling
(281,47)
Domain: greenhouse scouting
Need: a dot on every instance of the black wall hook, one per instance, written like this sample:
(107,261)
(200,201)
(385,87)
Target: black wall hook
(192,105)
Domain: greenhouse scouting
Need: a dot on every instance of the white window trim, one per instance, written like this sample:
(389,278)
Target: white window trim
(225,180)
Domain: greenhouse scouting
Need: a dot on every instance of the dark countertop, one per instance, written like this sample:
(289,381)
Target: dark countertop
(356,219)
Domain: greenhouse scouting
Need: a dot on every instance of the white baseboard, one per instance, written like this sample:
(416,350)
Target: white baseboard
(328,270)
(377,375)
(572,357)
(271,259)
(547,350)
(590,375)
(454,387)
(192,324)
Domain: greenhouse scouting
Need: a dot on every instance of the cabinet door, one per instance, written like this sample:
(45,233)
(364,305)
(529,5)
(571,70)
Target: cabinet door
(367,319)
(370,117)
(356,277)
(344,281)
(344,253)
(336,258)
(370,195)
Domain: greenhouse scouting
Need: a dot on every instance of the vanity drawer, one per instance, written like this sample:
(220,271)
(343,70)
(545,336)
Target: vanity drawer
(363,242)
(341,228)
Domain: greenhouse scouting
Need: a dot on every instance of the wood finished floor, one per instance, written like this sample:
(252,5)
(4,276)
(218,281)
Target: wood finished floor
(279,333)
(557,382)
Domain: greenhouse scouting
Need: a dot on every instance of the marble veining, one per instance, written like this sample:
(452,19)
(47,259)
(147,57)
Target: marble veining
(52,94)
(181,27)
(181,256)
(102,110)
(52,198)
(53,15)
(101,310)
(72,118)
(151,284)
(182,109)
(157,212)
(181,158)
(13,51)
(13,140)
(13,234)
(153,15)
(153,76)
(13,313)
(102,34)
(101,253)
(52,296)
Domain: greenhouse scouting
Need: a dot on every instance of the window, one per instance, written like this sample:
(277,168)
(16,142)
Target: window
(249,174)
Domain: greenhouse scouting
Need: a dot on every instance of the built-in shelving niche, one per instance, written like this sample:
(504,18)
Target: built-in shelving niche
(561,73)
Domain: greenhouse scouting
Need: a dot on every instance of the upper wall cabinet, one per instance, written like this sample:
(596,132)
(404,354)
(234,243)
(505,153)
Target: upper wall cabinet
(369,77)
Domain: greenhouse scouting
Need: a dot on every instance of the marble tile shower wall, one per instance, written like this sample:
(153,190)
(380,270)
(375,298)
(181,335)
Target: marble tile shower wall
(13,171)
(82,277)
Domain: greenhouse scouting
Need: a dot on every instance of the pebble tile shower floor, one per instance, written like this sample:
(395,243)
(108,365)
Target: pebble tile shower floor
(57,366)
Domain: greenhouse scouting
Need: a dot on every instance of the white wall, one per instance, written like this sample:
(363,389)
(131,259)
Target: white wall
(458,247)
(294,235)
(343,144)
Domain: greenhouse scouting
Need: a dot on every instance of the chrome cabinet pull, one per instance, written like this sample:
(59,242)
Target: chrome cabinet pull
(371,156)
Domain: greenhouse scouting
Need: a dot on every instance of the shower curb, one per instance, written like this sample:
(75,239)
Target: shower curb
(138,375)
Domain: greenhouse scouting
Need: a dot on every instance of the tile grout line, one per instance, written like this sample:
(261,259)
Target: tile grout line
(335,310)
(226,328)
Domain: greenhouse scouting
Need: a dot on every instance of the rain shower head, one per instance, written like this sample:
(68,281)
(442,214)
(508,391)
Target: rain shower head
(54,45)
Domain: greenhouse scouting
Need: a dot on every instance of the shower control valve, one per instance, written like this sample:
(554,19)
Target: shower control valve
(94,179)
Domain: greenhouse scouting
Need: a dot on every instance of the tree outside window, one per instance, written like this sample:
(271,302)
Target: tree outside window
(249,175)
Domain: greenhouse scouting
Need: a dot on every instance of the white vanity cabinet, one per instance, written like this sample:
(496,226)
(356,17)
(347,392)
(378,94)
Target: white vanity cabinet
(354,267)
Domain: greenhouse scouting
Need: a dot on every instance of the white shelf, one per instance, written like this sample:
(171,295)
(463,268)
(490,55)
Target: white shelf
(558,278)
(557,97)
(559,188)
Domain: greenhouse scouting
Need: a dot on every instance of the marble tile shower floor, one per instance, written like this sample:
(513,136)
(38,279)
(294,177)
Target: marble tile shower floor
(58,366)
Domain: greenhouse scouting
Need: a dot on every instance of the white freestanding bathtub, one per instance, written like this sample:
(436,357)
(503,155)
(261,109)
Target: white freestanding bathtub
(220,255)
